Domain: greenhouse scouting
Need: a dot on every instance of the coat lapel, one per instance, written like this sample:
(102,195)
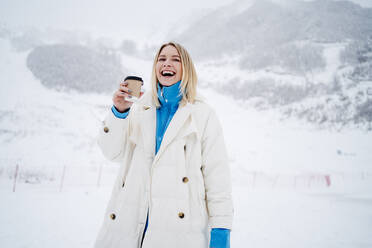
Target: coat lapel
(148,127)
(174,127)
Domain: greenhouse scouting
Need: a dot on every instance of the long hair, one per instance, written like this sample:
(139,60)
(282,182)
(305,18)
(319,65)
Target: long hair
(189,77)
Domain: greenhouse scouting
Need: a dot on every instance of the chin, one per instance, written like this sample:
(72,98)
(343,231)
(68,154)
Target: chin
(167,83)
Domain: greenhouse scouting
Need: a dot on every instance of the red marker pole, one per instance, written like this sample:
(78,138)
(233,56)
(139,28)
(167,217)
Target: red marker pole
(328,180)
(15,178)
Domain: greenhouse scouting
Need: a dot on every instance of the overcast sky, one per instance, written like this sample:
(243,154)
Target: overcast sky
(123,18)
(118,19)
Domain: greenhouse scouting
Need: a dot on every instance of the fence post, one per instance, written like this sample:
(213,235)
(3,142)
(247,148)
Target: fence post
(254,179)
(62,178)
(15,178)
(310,181)
(275,181)
(99,175)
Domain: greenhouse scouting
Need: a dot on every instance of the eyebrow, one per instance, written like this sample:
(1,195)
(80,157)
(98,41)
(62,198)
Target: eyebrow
(162,55)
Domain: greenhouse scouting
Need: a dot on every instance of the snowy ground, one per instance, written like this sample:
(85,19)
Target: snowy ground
(293,184)
(37,216)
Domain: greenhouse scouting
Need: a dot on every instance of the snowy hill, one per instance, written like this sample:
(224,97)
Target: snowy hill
(31,114)
(267,25)
(315,178)
(51,134)
(38,125)
(74,67)
(309,60)
(295,108)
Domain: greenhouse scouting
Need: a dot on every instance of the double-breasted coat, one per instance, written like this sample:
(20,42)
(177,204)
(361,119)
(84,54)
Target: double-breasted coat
(185,189)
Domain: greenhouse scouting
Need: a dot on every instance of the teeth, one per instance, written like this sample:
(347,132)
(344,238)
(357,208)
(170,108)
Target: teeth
(167,73)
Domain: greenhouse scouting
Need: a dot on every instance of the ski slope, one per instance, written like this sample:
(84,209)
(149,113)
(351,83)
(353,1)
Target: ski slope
(294,185)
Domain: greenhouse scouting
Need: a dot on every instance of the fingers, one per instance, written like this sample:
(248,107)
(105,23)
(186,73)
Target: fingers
(123,83)
(119,93)
(125,90)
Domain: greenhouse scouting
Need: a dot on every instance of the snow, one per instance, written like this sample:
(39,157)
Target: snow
(294,185)
(44,218)
(332,56)
(285,219)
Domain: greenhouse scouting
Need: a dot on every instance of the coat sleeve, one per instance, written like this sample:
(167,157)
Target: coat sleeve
(216,173)
(113,136)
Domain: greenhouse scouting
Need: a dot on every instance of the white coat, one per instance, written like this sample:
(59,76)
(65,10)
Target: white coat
(185,188)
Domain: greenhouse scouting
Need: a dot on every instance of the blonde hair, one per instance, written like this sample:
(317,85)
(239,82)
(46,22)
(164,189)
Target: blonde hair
(189,77)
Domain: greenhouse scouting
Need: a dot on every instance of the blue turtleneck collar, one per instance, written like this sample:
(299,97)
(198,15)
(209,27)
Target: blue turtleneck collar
(170,95)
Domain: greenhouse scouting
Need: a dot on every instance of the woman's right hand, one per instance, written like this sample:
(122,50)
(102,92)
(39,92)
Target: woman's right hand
(119,98)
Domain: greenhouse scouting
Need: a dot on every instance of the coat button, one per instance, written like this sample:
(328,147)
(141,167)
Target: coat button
(106,129)
(112,216)
(185,179)
(181,215)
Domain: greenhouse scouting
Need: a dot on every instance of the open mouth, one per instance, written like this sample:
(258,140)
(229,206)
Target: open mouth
(166,73)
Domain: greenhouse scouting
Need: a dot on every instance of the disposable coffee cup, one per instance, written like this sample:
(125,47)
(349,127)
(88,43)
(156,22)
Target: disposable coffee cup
(134,84)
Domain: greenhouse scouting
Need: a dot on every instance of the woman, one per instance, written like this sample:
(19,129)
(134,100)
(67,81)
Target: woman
(173,188)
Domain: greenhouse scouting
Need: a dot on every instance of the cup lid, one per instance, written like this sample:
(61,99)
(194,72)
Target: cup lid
(134,78)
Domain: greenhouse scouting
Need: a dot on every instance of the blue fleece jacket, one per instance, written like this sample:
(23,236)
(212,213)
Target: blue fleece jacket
(169,98)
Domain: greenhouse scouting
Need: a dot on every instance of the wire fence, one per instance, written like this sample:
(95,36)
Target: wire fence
(58,178)
(341,181)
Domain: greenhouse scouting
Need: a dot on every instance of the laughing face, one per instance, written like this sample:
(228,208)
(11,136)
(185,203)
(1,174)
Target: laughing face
(169,66)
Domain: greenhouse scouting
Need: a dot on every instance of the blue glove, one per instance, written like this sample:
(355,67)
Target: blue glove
(220,238)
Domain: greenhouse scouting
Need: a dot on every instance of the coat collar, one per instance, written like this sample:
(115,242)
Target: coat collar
(148,125)
(177,122)
(170,95)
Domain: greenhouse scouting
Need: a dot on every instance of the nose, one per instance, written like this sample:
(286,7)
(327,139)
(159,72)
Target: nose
(166,63)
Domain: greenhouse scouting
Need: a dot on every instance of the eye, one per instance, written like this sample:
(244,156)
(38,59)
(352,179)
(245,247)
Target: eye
(177,60)
(161,59)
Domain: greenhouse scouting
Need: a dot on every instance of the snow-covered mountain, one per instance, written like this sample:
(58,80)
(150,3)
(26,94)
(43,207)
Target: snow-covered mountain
(42,126)
(310,60)
(264,26)
(51,82)
(53,97)
(75,67)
